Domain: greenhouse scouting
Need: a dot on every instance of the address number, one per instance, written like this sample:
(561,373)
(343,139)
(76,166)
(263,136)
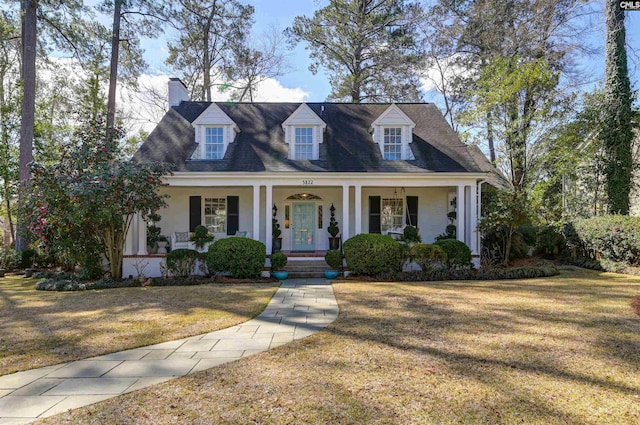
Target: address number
(307,181)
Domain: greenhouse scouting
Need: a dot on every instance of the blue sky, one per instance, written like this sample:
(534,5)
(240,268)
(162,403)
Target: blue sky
(281,13)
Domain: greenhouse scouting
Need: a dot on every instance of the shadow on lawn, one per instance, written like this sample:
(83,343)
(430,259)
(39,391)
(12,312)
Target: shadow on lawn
(63,326)
(436,326)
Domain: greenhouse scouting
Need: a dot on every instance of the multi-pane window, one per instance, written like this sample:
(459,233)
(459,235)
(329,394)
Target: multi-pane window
(214,143)
(215,214)
(304,143)
(392,143)
(392,214)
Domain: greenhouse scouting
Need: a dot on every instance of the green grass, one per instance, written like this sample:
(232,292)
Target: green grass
(40,328)
(560,350)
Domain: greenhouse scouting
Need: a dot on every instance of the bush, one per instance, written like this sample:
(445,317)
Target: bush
(371,254)
(549,241)
(471,274)
(278,261)
(450,233)
(427,255)
(201,237)
(411,235)
(8,258)
(334,259)
(26,258)
(242,257)
(182,262)
(458,253)
(612,237)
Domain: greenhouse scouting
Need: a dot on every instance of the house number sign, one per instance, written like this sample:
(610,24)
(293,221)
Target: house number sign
(307,182)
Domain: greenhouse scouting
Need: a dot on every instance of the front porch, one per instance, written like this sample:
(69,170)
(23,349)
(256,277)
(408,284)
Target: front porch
(245,206)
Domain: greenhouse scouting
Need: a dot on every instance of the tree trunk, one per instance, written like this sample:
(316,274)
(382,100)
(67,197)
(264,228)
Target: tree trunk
(29,38)
(4,136)
(113,72)
(617,133)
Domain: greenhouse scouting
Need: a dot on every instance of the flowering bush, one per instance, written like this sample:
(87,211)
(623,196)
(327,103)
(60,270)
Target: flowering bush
(84,204)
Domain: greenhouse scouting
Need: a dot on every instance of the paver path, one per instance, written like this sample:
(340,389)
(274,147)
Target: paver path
(298,309)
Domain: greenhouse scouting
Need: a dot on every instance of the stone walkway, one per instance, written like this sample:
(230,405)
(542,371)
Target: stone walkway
(298,309)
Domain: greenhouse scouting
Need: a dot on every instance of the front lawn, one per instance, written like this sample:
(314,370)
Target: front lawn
(560,350)
(40,328)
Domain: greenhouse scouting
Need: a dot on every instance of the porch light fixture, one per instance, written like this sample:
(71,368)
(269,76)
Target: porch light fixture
(304,195)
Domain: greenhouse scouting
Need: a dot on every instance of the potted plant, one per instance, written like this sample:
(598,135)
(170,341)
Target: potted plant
(153,233)
(333,229)
(163,243)
(201,237)
(275,231)
(278,261)
(334,259)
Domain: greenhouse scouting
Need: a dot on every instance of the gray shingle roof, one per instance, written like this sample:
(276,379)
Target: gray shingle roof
(347,145)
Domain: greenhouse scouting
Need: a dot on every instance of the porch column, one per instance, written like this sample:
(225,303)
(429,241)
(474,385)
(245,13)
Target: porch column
(345,212)
(358,211)
(268,216)
(473,219)
(142,235)
(256,212)
(461,213)
(129,247)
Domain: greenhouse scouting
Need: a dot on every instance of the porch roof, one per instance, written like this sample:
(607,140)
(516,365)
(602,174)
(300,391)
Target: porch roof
(347,146)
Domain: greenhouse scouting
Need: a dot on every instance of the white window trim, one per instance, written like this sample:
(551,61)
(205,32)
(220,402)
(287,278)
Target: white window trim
(304,117)
(393,117)
(212,117)
(204,142)
(204,206)
(402,215)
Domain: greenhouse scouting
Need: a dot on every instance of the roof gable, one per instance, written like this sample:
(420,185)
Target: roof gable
(213,115)
(304,115)
(393,116)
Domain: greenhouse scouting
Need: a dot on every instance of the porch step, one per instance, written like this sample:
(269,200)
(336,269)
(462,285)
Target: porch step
(304,269)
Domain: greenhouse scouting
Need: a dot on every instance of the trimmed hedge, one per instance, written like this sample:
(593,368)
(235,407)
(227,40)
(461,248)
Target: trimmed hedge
(182,262)
(611,237)
(427,255)
(471,274)
(458,253)
(66,283)
(242,257)
(372,254)
(333,258)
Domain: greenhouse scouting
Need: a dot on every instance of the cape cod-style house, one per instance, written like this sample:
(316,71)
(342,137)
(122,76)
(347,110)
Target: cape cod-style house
(381,166)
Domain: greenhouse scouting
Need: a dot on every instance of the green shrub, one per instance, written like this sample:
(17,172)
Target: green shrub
(427,255)
(334,259)
(182,262)
(278,261)
(371,254)
(612,237)
(26,258)
(243,257)
(458,253)
(201,237)
(8,258)
(450,233)
(411,235)
(549,241)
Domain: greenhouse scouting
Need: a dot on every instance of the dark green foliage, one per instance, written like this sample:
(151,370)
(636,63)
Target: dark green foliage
(69,282)
(26,258)
(411,235)
(275,228)
(242,257)
(371,254)
(182,262)
(278,261)
(334,259)
(428,255)
(617,132)
(612,237)
(471,274)
(549,241)
(450,233)
(458,253)
(333,228)
(91,268)
(201,236)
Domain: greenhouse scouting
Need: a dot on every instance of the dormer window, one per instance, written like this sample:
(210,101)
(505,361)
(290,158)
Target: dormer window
(393,132)
(392,140)
(214,143)
(304,143)
(303,133)
(214,131)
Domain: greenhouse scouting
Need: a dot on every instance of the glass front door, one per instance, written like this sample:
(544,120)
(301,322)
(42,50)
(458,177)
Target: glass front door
(303,227)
